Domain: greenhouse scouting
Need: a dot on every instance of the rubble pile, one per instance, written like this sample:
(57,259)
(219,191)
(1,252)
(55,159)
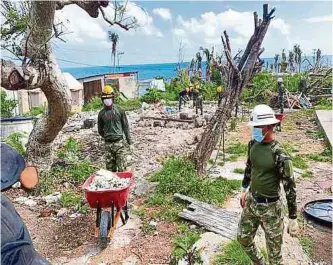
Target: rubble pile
(107,180)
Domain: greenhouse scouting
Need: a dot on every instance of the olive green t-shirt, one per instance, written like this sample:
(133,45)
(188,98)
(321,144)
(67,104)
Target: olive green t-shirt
(265,181)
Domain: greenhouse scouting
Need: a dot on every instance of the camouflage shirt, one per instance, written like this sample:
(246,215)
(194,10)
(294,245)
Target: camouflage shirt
(113,124)
(266,166)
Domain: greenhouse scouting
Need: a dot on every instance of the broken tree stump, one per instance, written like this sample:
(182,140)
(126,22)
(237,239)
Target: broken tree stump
(211,217)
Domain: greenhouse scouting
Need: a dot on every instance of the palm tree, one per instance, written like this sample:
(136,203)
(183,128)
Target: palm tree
(298,56)
(199,61)
(114,38)
(208,55)
(284,63)
(192,66)
(291,61)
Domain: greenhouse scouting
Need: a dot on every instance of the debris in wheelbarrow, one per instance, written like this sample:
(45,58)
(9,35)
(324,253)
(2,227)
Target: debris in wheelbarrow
(107,180)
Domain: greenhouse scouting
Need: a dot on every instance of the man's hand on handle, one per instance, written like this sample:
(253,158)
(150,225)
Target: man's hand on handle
(243,198)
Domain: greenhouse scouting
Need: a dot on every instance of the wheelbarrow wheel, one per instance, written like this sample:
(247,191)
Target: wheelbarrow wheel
(104,226)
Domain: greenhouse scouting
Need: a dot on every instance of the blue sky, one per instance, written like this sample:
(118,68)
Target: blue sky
(165,24)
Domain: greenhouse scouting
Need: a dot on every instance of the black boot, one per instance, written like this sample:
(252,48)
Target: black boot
(260,262)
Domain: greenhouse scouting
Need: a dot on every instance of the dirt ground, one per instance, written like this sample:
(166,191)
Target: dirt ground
(71,238)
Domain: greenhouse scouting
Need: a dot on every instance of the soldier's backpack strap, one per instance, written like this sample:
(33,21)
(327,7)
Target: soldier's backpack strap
(279,156)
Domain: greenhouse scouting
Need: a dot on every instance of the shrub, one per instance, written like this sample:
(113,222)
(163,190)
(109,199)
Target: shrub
(7,105)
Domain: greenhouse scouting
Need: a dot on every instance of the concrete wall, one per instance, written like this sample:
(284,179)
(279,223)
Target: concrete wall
(129,86)
(10,127)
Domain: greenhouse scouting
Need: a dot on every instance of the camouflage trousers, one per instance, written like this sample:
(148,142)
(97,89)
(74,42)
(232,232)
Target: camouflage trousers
(270,217)
(117,156)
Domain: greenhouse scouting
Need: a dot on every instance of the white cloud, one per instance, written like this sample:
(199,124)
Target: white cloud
(328,18)
(164,13)
(207,29)
(281,25)
(145,21)
(83,28)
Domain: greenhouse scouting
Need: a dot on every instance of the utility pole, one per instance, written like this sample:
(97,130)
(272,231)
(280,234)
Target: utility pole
(119,55)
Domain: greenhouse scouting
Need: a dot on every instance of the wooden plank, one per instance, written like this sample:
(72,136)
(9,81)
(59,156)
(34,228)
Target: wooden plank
(165,119)
(211,217)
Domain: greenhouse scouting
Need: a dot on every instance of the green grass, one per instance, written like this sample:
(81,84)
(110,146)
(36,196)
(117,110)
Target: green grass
(233,124)
(183,245)
(300,162)
(71,199)
(178,175)
(289,148)
(35,111)
(94,104)
(14,140)
(325,156)
(129,105)
(234,254)
(239,170)
(307,174)
(239,149)
(232,158)
(74,169)
(307,244)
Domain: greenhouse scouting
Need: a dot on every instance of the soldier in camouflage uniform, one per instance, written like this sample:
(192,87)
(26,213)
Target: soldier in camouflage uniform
(268,164)
(112,126)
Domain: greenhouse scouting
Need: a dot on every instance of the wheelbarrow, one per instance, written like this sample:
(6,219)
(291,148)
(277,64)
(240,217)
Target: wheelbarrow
(280,117)
(111,206)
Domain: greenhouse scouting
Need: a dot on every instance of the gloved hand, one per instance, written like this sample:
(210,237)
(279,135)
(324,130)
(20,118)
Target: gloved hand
(243,198)
(131,148)
(293,227)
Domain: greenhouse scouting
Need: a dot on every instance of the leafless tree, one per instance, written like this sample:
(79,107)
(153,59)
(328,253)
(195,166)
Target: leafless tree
(238,77)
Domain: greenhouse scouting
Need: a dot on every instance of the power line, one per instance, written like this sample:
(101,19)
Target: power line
(68,61)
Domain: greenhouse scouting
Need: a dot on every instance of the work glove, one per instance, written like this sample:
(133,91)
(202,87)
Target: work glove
(131,148)
(293,227)
(243,198)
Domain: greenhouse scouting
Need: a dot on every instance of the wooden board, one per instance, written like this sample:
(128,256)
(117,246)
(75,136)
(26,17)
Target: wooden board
(211,217)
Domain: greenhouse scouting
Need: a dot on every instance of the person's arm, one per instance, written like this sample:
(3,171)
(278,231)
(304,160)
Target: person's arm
(247,174)
(100,125)
(287,173)
(125,125)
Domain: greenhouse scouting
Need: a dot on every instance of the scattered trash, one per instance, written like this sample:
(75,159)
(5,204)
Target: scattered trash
(25,200)
(153,223)
(17,185)
(53,198)
(62,212)
(105,180)
(75,215)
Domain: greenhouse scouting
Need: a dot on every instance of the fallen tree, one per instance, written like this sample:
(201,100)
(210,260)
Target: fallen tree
(39,68)
(237,77)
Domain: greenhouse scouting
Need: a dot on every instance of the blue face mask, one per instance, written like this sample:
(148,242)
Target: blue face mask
(257,134)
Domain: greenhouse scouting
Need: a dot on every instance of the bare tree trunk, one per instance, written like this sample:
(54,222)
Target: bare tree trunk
(238,77)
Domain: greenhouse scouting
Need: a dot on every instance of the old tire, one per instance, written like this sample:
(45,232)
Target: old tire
(103,230)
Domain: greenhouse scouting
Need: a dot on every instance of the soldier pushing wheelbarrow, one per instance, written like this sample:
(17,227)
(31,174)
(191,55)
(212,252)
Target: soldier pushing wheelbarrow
(108,190)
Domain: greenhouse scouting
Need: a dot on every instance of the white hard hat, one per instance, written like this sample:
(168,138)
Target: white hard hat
(262,115)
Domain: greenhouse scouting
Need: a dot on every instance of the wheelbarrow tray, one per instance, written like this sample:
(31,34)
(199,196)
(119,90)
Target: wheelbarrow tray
(280,116)
(105,198)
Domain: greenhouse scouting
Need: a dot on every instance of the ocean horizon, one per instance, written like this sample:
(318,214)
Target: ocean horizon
(166,70)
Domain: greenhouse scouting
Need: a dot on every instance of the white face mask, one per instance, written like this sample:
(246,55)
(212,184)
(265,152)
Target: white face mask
(107,102)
